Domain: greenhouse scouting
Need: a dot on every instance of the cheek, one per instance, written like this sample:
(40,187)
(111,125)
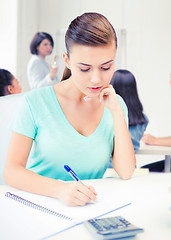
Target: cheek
(79,75)
(108,76)
(111,75)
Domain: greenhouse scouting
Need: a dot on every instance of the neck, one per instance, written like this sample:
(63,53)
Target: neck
(75,94)
(43,57)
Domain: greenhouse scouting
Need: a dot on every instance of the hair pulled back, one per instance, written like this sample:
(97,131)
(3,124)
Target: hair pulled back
(89,29)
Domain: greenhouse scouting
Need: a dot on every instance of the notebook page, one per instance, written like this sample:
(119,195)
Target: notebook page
(107,199)
(18,221)
(31,223)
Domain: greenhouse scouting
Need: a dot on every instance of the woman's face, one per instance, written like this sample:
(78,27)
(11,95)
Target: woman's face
(14,87)
(45,48)
(92,67)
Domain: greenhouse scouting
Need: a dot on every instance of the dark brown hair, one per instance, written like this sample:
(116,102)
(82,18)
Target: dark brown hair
(37,39)
(125,85)
(89,29)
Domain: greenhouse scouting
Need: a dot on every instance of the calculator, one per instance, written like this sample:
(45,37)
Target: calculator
(112,228)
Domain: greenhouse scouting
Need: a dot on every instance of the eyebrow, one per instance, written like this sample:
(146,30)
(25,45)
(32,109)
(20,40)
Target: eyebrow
(88,65)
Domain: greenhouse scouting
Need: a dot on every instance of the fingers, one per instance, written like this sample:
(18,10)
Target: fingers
(106,92)
(77,194)
(87,193)
(53,71)
(109,99)
(148,139)
(145,139)
(82,198)
(92,189)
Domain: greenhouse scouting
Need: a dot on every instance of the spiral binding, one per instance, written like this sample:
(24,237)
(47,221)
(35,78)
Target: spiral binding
(36,206)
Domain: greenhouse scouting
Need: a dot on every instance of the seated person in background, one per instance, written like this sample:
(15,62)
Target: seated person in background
(125,85)
(8,83)
(39,72)
(158,141)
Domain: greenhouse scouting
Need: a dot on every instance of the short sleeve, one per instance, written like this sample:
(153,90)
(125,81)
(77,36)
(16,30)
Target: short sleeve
(24,122)
(124,108)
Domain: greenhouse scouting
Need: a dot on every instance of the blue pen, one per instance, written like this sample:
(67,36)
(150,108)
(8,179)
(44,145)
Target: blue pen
(72,173)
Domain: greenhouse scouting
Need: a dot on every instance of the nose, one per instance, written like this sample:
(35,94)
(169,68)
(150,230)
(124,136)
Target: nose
(50,47)
(96,77)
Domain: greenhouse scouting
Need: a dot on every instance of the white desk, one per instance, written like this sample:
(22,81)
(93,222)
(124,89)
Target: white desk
(150,199)
(157,150)
(149,209)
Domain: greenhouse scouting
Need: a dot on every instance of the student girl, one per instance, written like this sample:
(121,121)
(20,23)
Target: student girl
(39,72)
(78,122)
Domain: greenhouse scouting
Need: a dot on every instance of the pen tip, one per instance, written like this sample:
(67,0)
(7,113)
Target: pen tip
(67,168)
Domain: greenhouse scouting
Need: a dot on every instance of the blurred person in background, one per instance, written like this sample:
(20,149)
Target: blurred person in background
(158,141)
(125,85)
(8,83)
(39,72)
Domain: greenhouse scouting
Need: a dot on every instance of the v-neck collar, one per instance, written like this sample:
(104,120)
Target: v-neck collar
(68,124)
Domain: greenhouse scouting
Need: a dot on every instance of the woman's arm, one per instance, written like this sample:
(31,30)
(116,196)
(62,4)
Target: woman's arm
(38,78)
(159,141)
(123,159)
(16,175)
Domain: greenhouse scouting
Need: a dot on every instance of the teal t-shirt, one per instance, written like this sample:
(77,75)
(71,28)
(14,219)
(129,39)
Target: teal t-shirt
(56,143)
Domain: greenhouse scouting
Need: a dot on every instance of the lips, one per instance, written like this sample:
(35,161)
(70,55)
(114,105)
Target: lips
(95,89)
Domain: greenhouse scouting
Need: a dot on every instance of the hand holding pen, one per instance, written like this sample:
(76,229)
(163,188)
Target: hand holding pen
(76,193)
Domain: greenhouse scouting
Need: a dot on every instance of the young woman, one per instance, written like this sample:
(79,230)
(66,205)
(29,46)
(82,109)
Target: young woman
(60,128)
(8,83)
(39,72)
(125,85)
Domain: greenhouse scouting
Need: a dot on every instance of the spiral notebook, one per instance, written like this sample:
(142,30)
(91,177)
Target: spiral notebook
(29,216)
(37,206)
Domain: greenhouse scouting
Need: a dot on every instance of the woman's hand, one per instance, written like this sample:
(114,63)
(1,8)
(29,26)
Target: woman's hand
(53,72)
(75,193)
(109,98)
(149,139)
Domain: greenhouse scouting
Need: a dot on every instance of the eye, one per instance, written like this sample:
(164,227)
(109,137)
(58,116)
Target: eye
(105,68)
(84,70)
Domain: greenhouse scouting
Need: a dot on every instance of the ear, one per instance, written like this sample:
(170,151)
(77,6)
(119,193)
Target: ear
(10,89)
(66,60)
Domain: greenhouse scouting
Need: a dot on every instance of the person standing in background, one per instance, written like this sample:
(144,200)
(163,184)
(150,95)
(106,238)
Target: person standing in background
(39,72)
(125,85)
(8,83)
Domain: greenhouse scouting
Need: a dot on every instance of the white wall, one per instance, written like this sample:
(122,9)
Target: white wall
(148,43)
(8,34)
(28,24)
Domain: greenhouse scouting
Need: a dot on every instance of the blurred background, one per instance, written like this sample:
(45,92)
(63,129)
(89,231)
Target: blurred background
(144,34)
